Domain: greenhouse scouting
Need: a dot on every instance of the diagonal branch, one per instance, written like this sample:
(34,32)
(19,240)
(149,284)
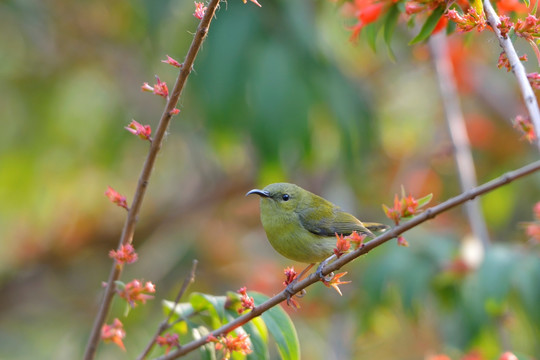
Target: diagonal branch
(517,68)
(129,225)
(313,278)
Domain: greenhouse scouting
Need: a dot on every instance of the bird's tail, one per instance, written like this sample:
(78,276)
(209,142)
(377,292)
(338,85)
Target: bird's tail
(376,227)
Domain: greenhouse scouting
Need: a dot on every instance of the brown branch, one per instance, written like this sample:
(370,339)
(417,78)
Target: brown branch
(165,324)
(458,133)
(517,68)
(337,264)
(129,225)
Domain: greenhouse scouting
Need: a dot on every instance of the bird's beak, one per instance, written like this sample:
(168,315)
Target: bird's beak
(258,192)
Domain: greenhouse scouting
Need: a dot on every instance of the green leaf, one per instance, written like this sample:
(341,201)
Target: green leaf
(389,27)
(281,328)
(182,310)
(425,200)
(258,336)
(370,31)
(528,3)
(207,351)
(428,26)
(534,8)
(213,305)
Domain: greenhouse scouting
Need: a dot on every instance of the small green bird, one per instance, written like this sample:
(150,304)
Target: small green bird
(302,226)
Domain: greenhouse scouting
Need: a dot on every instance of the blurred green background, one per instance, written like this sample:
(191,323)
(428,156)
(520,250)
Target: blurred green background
(278,94)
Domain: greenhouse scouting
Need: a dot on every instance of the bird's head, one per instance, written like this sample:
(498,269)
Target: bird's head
(280,196)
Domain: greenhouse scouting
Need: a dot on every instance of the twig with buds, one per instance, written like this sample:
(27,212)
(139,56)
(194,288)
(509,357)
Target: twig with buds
(129,225)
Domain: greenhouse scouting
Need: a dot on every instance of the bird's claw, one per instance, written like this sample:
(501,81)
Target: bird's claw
(290,293)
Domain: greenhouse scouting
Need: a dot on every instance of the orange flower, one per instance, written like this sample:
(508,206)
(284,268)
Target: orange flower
(172,62)
(142,131)
(125,255)
(357,239)
(169,340)
(230,344)
(114,333)
(135,292)
(335,281)
(523,123)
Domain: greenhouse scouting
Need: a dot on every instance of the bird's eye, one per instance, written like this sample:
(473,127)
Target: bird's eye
(285,197)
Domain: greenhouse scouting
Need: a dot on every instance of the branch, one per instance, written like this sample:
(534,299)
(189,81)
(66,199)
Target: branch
(517,68)
(129,225)
(165,323)
(337,264)
(458,133)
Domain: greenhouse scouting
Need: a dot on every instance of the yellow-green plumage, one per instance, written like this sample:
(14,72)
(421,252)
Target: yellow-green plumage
(302,226)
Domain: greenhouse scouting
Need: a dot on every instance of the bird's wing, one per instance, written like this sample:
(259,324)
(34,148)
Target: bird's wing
(330,222)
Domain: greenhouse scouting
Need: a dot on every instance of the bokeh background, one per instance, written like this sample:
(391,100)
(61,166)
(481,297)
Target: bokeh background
(279,93)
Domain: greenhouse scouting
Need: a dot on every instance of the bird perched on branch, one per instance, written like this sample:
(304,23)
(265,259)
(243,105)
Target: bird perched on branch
(302,226)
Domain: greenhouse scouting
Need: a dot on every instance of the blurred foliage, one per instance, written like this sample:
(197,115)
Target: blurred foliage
(278,94)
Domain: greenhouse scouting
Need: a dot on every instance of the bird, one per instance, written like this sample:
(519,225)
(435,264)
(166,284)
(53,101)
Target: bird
(302,226)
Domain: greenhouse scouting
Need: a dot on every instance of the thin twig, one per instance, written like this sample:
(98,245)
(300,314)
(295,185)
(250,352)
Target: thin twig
(313,278)
(165,324)
(129,225)
(458,133)
(517,68)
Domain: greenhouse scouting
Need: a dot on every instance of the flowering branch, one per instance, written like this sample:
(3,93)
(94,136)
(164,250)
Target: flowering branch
(430,213)
(165,324)
(517,67)
(129,224)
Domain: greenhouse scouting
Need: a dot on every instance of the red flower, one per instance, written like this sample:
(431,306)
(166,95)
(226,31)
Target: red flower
(159,89)
(508,6)
(505,26)
(534,80)
(247,301)
(169,340)
(393,213)
(290,275)
(125,255)
(174,111)
(504,62)
(443,21)
(413,7)
(135,292)
(405,207)
(342,246)
(230,344)
(468,21)
(172,62)
(114,333)
(142,131)
(200,10)
(365,12)
(402,242)
(357,239)
(523,123)
(116,198)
